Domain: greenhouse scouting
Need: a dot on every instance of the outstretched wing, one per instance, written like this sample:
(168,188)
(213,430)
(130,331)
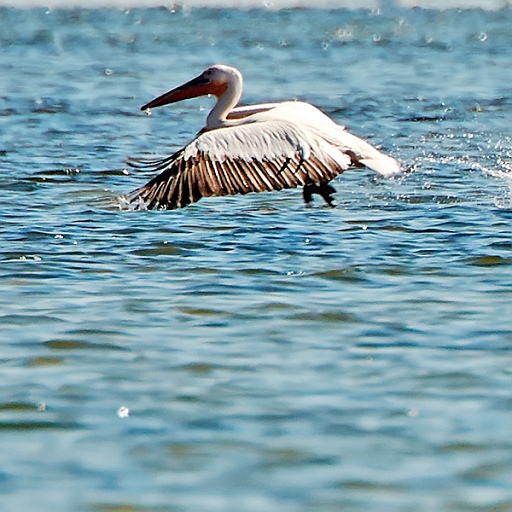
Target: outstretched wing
(254,157)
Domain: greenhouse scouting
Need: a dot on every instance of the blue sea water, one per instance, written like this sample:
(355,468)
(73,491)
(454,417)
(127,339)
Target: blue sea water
(248,353)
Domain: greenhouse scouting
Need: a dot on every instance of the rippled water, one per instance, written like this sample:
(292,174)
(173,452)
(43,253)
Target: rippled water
(248,353)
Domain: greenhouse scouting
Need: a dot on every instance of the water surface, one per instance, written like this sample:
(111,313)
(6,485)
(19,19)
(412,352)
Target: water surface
(267,356)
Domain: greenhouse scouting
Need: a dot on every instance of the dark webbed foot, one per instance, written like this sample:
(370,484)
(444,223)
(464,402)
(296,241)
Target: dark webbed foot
(308,191)
(322,189)
(326,191)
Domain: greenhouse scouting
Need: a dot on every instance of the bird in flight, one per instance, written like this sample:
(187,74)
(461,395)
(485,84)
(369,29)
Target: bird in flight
(255,148)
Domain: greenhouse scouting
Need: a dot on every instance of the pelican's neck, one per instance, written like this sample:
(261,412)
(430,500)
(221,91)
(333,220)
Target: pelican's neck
(226,101)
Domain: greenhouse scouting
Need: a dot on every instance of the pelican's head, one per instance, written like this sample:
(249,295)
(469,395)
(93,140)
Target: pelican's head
(213,81)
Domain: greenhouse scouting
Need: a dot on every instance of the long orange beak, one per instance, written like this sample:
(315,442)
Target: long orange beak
(199,86)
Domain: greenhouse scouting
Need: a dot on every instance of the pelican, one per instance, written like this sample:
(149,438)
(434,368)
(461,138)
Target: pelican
(254,148)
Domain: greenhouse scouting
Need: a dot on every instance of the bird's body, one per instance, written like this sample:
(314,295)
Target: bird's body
(255,148)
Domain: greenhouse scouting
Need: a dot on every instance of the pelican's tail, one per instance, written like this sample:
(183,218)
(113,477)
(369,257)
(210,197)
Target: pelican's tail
(364,154)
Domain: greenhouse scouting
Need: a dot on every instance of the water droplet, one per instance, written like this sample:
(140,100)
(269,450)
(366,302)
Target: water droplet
(123,412)
(31,257)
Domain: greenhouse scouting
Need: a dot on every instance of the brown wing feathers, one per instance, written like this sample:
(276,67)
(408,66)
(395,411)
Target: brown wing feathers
(182,182)
(185,180)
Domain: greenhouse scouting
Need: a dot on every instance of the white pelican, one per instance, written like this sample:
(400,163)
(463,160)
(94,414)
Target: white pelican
(255,148)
